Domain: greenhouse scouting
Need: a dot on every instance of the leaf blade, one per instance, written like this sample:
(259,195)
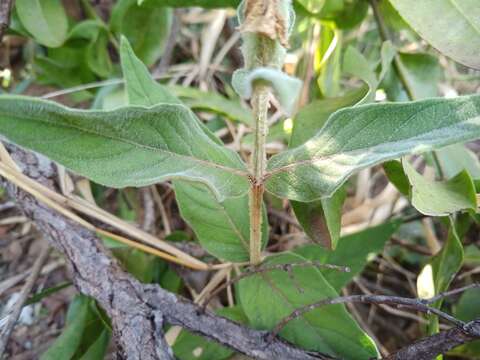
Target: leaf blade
(131,146)
(363,136)
(459,21)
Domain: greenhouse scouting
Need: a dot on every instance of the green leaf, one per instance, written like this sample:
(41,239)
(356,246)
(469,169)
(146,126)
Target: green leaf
(422,74)
(437,198)
(141,88)
(193,347)
(396,175)
(98,349)
(356,64)
(456,158)
(472,255)
(354,251)
(200,3)
(468,309)
(286,88)
(68,342)
(97,55)
(222,227)
(147,27)
(213,102)
(269,297)
(44,19)
(131,146)
(363,136)
(457,26)
(312,6)
(320,218)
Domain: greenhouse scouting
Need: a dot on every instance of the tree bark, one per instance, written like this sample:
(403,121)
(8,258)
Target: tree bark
(138,312)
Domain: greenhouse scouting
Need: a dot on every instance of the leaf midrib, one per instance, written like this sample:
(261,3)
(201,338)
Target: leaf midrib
(314,159)
(136,144)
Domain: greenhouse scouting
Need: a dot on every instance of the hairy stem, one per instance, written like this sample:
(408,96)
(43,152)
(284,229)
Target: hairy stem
(260,104)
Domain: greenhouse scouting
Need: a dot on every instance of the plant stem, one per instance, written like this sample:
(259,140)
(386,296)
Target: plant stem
(260,104)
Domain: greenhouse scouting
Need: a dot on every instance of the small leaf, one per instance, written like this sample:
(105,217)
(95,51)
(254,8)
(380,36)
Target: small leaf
(286,88)
(456,158)
(441,198)
(457,26)
(44,19)
(269,297)
(146,26)
(353,251)
(363,136)
(131,146)
(396,175)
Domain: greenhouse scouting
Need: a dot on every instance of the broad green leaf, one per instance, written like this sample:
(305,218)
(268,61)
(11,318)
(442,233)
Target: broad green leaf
(456,158)
(44,19)
(269,297)
(441,198)
(193,347)
(354,251)
(422,74)
(468,309)
(147,26)
(131,146)
(456,30)
(222,227)
(363,136)
(66,345)
(321,219)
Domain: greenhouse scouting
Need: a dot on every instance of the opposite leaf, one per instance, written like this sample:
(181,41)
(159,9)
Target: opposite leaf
(131,146)
(363,136)
(221,227)
(441,198)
